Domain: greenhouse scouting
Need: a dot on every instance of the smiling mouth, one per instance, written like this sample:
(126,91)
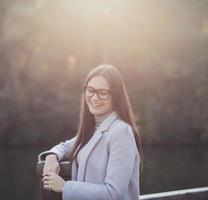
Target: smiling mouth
(96,105)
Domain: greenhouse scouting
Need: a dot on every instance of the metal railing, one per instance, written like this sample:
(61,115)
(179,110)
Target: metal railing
(188,194)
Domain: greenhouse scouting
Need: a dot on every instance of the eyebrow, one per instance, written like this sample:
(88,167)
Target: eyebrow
(98,88)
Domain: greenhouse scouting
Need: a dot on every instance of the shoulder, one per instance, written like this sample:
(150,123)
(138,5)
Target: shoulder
(120,135)
(119,128)
(121,125)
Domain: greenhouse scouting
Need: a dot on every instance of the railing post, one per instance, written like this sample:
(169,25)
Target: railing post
(51,195)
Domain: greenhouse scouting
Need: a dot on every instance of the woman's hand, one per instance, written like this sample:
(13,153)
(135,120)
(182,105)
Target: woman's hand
(52,181)
(51,164)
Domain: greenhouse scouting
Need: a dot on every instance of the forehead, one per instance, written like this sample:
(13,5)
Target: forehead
(98,82)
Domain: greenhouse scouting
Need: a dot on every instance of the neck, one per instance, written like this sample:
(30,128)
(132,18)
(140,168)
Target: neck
(100,118)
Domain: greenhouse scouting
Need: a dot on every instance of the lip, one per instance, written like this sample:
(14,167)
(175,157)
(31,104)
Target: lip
(96,105)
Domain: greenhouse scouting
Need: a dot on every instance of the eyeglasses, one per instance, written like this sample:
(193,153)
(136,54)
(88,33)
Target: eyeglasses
(102,94)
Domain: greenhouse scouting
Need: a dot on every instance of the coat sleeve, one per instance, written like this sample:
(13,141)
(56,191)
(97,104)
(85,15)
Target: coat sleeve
(62,150)
(122,154)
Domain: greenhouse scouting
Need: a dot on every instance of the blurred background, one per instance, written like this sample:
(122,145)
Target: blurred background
(48,46)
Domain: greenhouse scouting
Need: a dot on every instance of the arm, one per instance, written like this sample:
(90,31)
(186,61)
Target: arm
(118,173)
(62,150)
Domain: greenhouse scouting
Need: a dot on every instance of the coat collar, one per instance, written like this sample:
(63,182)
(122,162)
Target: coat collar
(105,125)
(79,174)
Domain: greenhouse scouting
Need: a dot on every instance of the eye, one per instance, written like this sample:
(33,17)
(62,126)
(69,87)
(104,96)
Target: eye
(103,93)
(89,91)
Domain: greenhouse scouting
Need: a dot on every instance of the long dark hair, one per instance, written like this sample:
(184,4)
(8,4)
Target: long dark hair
(121,104)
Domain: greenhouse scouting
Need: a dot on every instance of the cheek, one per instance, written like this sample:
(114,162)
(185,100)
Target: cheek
(109,104)
(87,100)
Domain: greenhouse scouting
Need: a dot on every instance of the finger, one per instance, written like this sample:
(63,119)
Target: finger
(46,183)
(47,173)
(46,178)
(44,174)
(47,187)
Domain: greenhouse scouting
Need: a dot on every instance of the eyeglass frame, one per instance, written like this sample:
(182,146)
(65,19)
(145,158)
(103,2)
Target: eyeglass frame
(96,91)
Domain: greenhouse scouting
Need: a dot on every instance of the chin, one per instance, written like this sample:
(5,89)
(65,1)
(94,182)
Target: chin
(97,112)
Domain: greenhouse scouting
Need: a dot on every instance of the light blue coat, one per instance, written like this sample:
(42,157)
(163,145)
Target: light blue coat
(110,168)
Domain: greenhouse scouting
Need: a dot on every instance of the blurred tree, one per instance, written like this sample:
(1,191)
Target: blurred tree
(47,47)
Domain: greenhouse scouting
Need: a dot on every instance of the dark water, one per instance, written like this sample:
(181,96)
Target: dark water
(175,168)
(165,169)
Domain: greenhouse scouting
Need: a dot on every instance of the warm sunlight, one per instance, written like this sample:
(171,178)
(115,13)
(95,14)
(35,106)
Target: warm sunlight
(134,33)
(47,48)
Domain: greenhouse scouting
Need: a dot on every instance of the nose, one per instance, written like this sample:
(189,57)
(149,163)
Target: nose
(95,96)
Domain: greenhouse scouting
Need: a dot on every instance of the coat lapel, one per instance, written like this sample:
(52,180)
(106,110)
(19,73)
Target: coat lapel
(74,171)
(104,126)
(92,143)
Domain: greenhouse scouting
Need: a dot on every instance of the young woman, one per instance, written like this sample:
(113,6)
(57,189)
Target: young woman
(105,153)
